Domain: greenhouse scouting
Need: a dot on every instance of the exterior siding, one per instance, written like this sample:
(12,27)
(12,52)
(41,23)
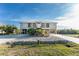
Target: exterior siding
(23,26)
(53,27)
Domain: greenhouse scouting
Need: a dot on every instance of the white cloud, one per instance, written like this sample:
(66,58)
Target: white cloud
(70,19)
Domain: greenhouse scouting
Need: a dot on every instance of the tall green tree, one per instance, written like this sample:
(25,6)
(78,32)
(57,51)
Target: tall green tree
(9,29)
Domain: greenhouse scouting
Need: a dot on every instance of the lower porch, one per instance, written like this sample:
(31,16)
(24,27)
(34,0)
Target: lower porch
(25,31)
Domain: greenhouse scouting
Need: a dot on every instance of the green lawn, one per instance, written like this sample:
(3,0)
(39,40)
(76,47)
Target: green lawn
(67,49)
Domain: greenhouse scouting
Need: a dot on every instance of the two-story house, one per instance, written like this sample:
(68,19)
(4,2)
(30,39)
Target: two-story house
(46,25)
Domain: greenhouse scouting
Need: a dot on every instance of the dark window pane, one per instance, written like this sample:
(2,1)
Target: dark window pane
(24,31)
(42,25)
(29,24)
(47,25)
(34,25)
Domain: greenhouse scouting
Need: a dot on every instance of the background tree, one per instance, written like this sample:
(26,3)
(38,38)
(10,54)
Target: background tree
(9,29)
(67,31)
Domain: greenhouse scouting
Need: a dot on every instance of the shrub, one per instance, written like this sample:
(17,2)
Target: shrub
(45,33)
(31,31)
(38,32)
(70,44)
(41,32)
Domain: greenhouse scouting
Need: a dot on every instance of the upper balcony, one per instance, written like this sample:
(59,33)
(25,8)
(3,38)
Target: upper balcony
(43,25)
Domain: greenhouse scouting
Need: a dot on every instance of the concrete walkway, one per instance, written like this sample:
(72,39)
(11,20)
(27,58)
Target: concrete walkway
(75,40)
(52,37)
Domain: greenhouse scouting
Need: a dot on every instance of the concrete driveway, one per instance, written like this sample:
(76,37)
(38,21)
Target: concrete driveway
(75,40)
(52,37)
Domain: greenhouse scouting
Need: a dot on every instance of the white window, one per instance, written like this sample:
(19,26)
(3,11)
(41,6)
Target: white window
(38,25)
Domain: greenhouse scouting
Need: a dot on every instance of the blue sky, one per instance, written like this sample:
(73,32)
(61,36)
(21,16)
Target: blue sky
(13,13)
